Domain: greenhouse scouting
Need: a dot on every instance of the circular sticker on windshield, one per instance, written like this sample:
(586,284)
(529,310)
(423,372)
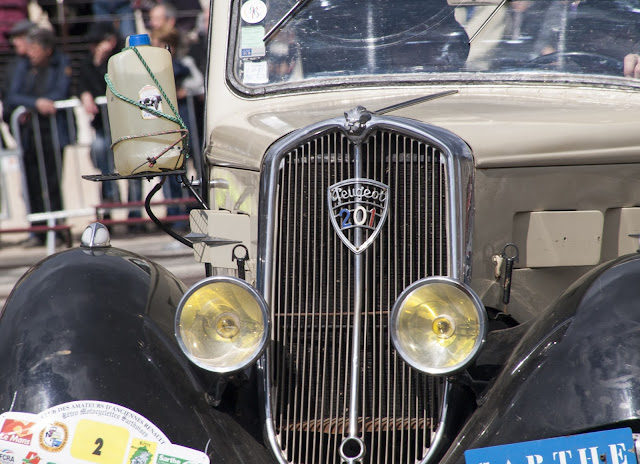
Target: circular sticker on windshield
(253,11)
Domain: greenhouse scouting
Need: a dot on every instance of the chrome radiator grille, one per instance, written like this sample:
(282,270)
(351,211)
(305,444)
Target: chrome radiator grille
(312,299)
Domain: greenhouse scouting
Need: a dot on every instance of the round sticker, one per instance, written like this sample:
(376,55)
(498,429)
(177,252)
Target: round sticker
(54,436)
(253,11)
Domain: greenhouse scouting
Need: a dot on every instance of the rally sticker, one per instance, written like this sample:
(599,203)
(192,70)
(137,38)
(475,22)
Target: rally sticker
(142,452)
(90,431)
(31,458)
(7,456)
(17,429)
(253,11)
(53,437)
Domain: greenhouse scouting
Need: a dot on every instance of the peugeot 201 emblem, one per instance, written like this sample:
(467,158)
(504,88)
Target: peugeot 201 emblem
(358,211)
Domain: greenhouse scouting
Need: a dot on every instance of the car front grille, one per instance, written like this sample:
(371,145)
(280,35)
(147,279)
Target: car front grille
(312,295)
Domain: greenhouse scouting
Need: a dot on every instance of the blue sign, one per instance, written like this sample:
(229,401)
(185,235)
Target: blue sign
(609,446)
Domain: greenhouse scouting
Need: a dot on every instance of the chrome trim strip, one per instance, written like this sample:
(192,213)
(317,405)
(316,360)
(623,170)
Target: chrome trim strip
(435,447)
(357,321)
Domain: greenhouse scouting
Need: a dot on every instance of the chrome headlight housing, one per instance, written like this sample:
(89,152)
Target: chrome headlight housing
(222,324)
(438,325)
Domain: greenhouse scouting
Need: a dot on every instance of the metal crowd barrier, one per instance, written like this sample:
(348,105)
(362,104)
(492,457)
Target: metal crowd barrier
(4,195)
(23,120)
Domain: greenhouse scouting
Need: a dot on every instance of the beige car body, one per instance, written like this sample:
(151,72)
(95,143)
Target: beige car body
(557,168)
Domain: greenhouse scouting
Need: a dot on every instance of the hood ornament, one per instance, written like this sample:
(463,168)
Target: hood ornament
(356,119)
(358,210)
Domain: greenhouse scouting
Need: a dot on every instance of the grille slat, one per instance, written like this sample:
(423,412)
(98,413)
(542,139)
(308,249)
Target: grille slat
(313,300)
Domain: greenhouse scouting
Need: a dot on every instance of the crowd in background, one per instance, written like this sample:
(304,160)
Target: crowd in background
(41,72)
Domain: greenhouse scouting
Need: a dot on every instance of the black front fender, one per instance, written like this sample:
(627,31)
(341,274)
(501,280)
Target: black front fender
(99,325)
(577,368)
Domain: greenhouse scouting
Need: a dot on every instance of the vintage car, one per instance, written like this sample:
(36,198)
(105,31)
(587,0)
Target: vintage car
(420,220)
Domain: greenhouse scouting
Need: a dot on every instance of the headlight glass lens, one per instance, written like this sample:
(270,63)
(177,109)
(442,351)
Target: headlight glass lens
(222,324)
(438,325)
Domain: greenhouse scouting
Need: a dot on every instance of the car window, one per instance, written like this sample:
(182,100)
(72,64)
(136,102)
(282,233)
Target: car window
(321,40)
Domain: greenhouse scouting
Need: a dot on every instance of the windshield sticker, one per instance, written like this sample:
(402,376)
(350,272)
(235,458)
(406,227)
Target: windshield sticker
(93,431)
(253,11)
(255,72)
(251,44)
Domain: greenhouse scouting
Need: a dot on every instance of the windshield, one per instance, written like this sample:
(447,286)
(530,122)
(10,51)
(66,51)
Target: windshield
(312,41)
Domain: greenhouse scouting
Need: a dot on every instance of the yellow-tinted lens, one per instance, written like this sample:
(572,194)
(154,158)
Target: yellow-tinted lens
(438,327)
(222,325)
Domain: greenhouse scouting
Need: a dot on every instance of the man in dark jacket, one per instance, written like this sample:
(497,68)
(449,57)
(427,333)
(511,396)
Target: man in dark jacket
(18,38)
(37,84)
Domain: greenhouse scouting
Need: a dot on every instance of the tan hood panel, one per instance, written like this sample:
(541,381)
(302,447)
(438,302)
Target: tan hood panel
(506,126)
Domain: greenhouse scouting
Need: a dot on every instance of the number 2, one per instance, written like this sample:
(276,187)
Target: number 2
(100,443)
(346,220)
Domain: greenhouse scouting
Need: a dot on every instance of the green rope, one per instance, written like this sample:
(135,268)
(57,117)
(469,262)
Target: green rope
(176,118)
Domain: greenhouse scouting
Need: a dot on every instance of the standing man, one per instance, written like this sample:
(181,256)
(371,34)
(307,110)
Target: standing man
(37,84)
(18,38)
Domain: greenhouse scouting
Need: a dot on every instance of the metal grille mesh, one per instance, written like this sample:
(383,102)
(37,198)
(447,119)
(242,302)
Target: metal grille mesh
(312,305)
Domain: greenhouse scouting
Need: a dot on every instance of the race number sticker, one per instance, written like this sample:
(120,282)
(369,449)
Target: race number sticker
(90,439)
(89,431)
(253,11)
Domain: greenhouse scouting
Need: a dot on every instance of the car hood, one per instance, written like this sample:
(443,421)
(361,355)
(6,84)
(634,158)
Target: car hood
(505,125)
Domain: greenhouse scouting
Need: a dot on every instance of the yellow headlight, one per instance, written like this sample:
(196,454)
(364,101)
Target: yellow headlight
(438,325)
(222,324)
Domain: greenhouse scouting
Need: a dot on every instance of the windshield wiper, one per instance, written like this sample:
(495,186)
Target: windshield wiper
(286,17)
(415,101)
(488,20)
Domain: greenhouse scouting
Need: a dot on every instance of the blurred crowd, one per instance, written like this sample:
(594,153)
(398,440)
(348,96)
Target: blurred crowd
(40,73)
(74,18)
